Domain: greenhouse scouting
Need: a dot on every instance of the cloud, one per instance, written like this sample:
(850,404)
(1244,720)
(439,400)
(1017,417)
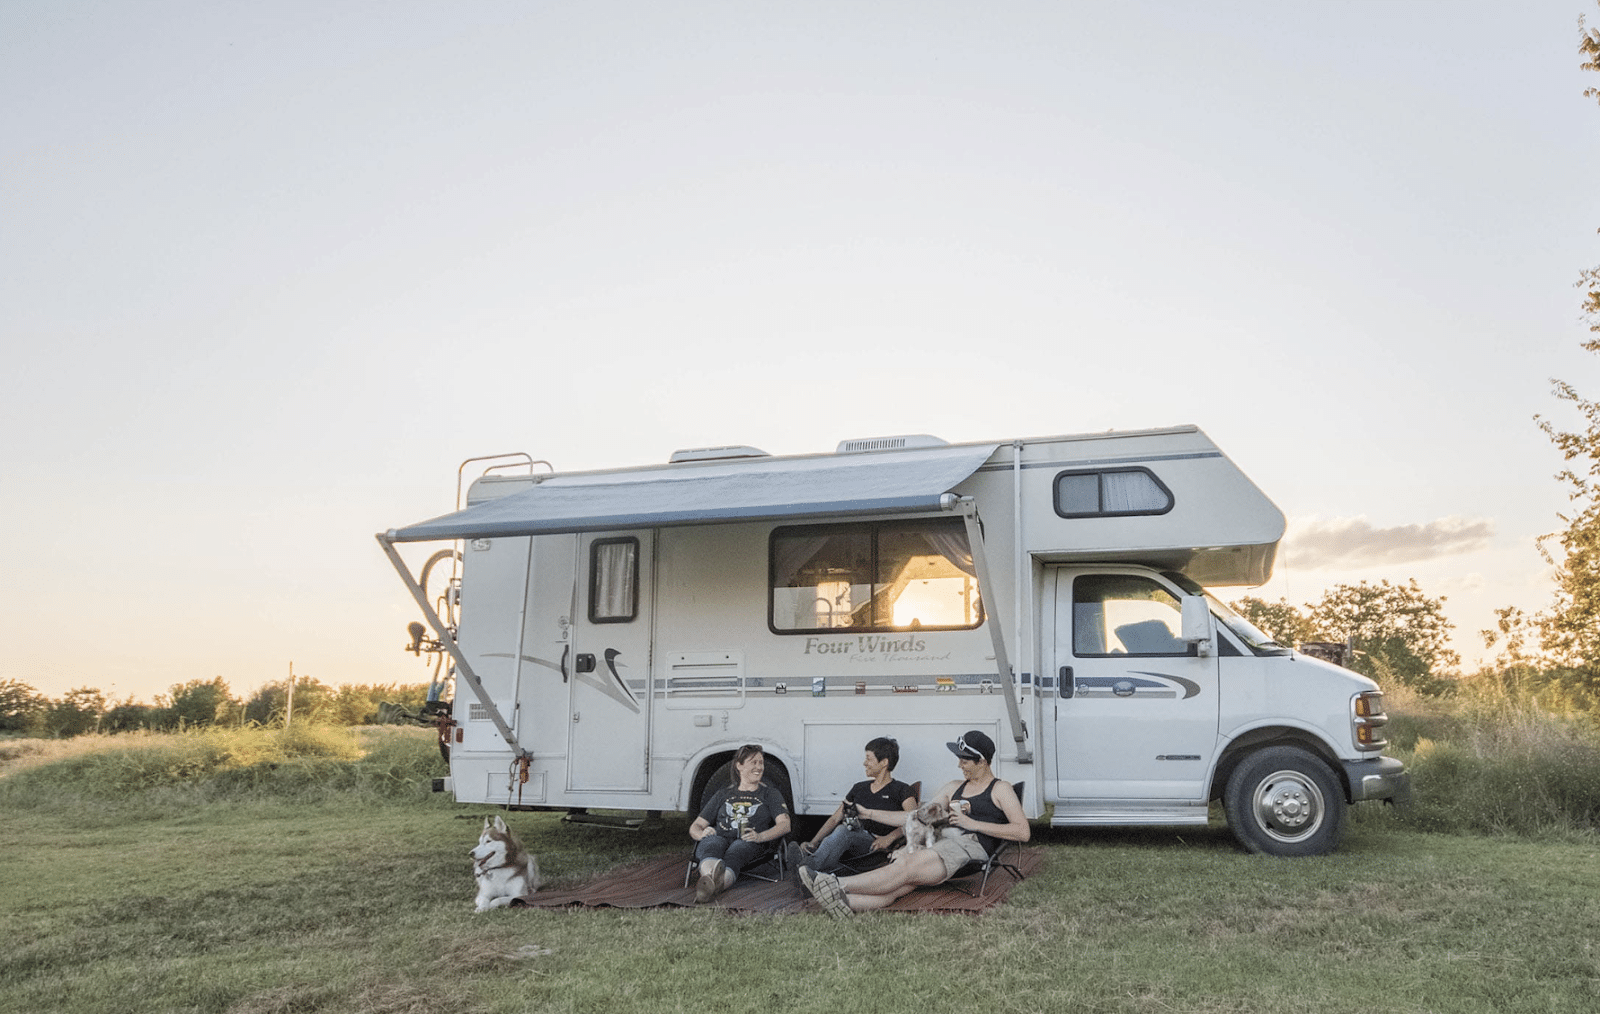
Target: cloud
(1349,543)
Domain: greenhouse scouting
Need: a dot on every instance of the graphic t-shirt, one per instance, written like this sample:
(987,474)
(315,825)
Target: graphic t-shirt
(892,797)
(730,805)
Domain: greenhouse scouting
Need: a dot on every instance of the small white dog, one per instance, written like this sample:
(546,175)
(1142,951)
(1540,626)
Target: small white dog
(924,824)
(504,869)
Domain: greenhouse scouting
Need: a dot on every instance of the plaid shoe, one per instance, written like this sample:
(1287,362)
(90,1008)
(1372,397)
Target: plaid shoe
(825,888)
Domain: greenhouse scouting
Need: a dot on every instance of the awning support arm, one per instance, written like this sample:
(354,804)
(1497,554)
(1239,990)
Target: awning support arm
(447,639)
(980,563)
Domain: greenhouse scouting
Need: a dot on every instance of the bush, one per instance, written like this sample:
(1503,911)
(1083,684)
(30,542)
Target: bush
(1497,761)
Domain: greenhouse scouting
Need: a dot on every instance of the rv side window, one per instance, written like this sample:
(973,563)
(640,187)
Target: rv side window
(1117,492)
(887,575)
(1124,614)
(613,580)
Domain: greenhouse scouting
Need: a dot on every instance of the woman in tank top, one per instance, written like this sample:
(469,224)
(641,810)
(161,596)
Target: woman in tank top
(985,809)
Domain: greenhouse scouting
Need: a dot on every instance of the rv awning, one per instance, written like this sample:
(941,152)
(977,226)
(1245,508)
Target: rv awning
(753,489)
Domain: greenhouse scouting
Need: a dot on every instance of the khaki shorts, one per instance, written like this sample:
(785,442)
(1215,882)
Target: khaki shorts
(957,851)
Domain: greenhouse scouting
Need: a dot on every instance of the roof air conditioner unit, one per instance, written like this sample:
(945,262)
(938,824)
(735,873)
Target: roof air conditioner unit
(717,453)
(901,443)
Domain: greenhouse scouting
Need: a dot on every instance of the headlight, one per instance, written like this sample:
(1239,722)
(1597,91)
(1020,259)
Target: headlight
(1367,719)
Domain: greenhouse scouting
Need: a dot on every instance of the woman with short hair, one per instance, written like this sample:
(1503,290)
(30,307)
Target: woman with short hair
(983,808)
(846,834)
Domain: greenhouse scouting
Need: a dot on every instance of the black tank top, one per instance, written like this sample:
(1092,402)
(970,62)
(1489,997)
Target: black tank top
(983,808)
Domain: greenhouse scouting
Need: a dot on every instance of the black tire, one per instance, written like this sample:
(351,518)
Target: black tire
(1283,801)
(776,776)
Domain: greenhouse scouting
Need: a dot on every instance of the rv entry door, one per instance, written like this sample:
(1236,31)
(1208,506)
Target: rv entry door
(1136,711)
(609,663)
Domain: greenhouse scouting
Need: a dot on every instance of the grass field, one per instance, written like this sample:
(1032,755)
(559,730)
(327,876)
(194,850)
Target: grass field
(326,879)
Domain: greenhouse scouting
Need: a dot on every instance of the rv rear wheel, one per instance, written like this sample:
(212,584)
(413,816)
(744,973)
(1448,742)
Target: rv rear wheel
(1282,801)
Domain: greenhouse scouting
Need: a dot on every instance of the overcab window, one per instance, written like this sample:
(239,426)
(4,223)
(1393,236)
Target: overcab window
(1116,492)
(886,575)
(613,580)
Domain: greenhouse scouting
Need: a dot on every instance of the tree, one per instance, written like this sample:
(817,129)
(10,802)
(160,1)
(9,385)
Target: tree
(130,716)
(21,707)
(201,702)
(362,703)
(1287,625)
(1570,630)
(270,704)
(78,712)
(1399,634)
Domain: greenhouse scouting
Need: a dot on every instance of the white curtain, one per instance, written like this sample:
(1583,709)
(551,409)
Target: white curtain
(614,564)
(953,546)
(1130,492)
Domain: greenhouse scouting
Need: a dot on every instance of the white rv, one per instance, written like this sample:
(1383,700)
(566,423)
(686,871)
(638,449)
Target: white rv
(621,632)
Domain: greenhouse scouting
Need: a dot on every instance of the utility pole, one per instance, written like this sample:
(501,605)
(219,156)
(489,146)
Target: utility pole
(288,714)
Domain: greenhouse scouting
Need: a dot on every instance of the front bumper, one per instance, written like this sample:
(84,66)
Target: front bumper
(1378,778)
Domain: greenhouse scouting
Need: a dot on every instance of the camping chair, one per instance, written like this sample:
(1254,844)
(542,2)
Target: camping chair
(994,862)
(772,856)
(872,860)
(772,859)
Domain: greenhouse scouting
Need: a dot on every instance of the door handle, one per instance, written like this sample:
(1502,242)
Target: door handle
(585,662)
(1064,682)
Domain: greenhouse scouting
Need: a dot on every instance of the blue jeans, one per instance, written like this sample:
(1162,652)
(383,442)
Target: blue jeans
(735,853)
(841,843)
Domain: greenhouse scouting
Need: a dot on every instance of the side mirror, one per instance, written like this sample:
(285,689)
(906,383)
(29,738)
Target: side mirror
(1197,624)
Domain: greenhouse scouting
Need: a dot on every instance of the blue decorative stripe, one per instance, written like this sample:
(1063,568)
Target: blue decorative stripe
(1101,462)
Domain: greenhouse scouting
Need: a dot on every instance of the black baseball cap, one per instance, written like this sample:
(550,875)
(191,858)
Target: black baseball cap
(973,745)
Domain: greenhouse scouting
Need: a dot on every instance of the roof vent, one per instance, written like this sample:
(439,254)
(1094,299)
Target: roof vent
(903,443)
(717,453)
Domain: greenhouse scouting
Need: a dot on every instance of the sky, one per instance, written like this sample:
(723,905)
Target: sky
(270,272)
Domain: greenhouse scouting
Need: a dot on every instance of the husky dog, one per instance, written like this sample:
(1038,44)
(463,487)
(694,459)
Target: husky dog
(505,870)
(924,824)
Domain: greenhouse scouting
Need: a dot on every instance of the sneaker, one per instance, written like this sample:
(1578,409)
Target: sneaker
(806,876)
(830,895)
(792,854)
(710,884)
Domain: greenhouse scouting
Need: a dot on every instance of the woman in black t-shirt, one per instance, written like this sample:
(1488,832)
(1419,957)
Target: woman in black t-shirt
(845,834)
(736,823)
(991,813)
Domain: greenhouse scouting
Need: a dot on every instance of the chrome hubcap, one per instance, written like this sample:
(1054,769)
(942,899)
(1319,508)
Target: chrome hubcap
(1289,805)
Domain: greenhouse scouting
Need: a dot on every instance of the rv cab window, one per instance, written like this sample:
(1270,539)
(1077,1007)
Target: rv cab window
(1125,614)
(886,575)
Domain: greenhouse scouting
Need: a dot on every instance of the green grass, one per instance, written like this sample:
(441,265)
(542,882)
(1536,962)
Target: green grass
(256,894)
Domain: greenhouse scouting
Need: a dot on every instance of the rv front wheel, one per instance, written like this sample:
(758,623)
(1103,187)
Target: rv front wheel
(1282,801)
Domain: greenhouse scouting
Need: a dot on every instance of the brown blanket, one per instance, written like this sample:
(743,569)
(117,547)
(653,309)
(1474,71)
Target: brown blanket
(658,882)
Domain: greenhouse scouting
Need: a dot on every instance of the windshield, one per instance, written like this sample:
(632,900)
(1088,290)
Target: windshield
(1258,640)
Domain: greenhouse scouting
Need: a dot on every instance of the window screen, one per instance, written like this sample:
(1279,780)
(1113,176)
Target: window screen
(1111,493)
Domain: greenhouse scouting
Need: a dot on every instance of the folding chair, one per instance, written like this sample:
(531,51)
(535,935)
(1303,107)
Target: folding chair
(773,857)
(994,862)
